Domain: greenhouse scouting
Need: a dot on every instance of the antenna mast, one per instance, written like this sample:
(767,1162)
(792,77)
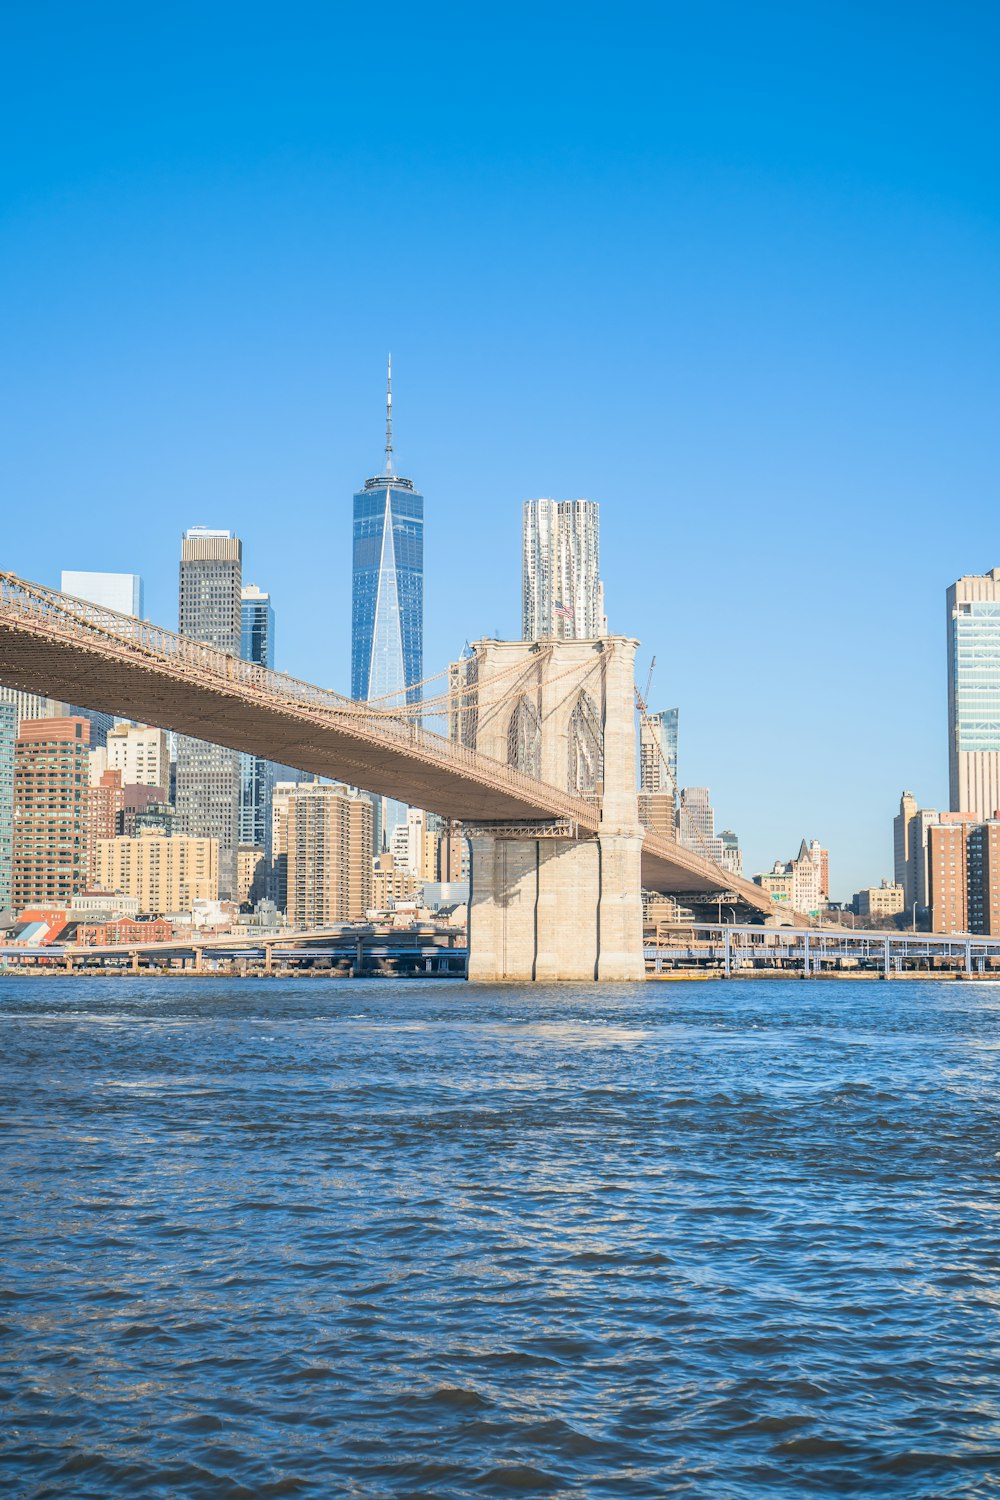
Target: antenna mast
(388,420)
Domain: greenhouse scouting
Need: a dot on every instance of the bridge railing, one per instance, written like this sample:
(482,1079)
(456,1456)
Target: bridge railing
(81,621)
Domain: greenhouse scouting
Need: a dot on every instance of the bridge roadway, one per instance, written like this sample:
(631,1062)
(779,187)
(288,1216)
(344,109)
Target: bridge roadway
(429,948)
(811,951)
(68,649)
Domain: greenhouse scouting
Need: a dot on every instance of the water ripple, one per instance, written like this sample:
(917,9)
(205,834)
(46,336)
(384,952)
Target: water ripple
(371,1239)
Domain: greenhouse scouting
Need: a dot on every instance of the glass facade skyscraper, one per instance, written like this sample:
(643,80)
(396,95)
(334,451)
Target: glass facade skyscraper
(658,751)
(256,774)
(387,597)
(974,694)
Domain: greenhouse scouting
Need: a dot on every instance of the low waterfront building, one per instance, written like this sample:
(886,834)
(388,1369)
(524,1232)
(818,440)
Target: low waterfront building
(880,901)
(38,926)
(123,930)
(797,883)
(392,885)
(91,904)
(437,896)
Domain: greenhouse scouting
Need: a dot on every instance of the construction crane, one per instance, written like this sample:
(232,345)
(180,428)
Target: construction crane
(642,699)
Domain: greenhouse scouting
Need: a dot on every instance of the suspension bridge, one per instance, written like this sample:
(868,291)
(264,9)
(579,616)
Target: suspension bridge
(537,763)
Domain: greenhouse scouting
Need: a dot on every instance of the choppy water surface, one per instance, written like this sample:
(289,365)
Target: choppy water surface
(369,1239)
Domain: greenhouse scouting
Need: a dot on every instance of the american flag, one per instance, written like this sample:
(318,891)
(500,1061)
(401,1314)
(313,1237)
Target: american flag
(563,610)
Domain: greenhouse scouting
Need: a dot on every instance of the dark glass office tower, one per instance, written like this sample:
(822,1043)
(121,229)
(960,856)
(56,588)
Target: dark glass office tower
(256,774)
(387,621)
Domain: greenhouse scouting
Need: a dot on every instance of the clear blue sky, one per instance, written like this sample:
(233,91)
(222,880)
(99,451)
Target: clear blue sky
(729,269)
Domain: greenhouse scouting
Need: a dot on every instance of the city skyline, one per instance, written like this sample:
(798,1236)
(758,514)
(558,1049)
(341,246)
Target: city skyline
(257,633)
(779,379)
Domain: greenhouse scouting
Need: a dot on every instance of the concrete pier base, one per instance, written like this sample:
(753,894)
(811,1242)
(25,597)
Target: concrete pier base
(546,909)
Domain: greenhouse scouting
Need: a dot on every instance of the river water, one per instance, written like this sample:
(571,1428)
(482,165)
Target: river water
(376,1238)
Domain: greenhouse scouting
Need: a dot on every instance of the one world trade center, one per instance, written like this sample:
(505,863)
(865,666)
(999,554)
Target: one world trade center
(387,598)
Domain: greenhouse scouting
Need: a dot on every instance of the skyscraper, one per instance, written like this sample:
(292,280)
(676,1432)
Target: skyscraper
(256,774)
(51,787)
(696,823)
(387,622)
(118,591)
(562,593)
(658,751)
(208,776)
(974,694)
(8,737)
(387,596)
(903,861)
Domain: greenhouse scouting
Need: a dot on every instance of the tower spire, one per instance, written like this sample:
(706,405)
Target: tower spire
(388,420)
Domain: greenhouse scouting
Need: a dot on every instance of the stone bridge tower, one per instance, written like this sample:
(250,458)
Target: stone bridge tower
(549,901)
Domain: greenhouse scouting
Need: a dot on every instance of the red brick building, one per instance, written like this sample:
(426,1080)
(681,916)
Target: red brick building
(51,783)
(123,930)
(963,874)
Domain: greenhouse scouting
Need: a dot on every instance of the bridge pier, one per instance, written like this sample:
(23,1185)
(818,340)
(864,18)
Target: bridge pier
(550,901)
(549,909)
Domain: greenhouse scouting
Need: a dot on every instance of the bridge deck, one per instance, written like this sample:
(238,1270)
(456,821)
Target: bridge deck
(68,649)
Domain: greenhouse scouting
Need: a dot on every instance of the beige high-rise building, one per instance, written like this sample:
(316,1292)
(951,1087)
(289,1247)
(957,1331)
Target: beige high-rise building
(141,754)
(658,812)
(974,694)
(329,839)
(165,873)
(391,884)
(250,874)
(280,795)
(904,861)
(415,844)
